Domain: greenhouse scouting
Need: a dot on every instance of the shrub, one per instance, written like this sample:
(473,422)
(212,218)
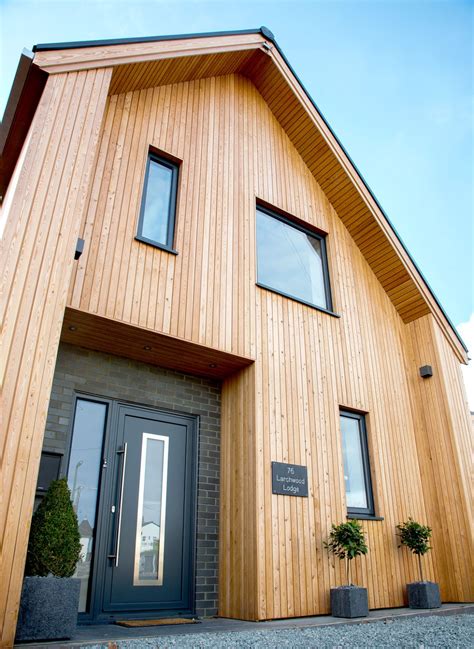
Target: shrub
(54,546)
(347,541)
(416,538)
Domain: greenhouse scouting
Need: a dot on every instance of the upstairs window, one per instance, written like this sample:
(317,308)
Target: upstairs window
(157,215)
(291,260)
(355,453)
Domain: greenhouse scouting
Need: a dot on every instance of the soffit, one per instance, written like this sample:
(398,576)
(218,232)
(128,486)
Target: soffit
(142,65)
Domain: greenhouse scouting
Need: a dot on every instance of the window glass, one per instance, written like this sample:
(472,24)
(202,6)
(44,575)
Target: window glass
(356,464)
(151,516)
(83,481)
(290,260)
(157,215)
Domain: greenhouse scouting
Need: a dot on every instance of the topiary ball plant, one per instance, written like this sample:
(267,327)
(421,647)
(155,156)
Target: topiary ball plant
(347,541)
(416,538)
(54,546)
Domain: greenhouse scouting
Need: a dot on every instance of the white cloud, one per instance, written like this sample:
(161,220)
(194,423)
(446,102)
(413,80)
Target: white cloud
(466,330)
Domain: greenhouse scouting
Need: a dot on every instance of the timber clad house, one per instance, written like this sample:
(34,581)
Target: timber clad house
(211,328)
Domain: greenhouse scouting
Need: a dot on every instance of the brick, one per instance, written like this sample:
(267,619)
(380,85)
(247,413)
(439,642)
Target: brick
(118,378)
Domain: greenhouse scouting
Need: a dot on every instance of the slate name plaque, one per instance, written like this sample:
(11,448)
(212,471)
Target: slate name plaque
(289,479)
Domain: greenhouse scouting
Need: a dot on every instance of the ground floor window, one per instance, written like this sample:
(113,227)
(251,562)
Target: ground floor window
(355,453)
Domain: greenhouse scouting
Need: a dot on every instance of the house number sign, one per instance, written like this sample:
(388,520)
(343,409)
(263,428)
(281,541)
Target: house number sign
(289,479)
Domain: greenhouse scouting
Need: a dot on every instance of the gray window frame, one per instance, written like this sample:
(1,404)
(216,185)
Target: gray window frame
(369,511)
(174,166)
(321,237)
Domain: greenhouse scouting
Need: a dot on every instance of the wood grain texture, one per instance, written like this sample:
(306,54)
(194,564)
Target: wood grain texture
(143,65)
(307,364)
(285,405)
(445,448)
(239,564)
(110,336)
(37,257)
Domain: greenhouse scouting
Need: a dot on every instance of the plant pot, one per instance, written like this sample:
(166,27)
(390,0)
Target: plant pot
(349,601)
(48,608)
(423,594)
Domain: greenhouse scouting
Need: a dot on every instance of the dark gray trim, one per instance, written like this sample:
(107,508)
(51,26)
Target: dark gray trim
(276,214)
(364,517)
(170,164)
(106,496)
(297,299)
(369,511)
(89,614)
(43,47)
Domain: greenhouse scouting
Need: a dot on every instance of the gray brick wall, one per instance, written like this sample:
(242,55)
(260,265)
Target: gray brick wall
(82,370)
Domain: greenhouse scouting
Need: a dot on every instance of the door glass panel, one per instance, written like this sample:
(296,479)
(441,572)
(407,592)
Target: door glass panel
(83,480)
(150,535)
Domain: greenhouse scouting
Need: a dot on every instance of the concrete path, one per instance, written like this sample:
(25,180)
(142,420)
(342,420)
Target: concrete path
(110,634)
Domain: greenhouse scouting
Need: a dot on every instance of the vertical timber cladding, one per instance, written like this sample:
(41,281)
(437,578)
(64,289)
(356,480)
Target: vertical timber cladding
(285,408)
(87,372)
(444,440)
(38,250)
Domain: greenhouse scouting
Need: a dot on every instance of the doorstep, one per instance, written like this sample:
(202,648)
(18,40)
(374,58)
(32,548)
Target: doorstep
(105,636)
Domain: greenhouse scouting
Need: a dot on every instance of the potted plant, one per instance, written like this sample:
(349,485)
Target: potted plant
(416,537)
(50,597)
(347,541)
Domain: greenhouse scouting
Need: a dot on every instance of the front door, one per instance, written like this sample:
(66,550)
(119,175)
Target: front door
(148,515)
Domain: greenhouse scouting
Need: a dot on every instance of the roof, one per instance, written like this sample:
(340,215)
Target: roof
(161,60)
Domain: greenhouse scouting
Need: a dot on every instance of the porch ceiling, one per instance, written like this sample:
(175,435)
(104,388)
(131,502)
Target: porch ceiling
(110,336)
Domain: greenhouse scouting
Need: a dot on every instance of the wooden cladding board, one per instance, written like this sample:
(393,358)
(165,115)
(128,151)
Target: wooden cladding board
(37,256)
(307,364)
(110,336)
(445,449)
(162,62)
(325,165)
(239,559)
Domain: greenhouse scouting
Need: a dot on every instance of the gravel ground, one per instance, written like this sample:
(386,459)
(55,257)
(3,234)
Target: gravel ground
(421,632)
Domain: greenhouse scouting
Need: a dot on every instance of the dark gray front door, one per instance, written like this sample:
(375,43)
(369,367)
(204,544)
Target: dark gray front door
(150,538)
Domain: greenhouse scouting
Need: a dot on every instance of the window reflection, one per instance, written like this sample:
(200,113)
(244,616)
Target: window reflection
(83,480)
(290,260)
(354,477)
(157,202)
(149,552)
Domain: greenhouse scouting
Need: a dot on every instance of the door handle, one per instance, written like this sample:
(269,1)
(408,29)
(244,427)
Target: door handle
(116,556)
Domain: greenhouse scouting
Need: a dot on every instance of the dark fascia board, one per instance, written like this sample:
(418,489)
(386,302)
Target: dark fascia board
(45,47)
(269,36)
(27,88)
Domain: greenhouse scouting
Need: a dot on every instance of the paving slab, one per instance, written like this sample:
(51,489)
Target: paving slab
(109,635)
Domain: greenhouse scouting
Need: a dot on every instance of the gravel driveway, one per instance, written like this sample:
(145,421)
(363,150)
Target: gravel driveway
(420,632)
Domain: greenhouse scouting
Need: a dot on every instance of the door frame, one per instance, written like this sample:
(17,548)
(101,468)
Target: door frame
(104,522)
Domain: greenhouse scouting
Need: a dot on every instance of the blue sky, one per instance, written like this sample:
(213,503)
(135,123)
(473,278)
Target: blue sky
(394,80)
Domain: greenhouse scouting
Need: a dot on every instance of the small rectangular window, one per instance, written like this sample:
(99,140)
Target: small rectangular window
(157,215)
(291,260)
(356,464)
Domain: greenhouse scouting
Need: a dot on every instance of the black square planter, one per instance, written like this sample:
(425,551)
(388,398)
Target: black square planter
(48,608)
(423,594)
(349,601)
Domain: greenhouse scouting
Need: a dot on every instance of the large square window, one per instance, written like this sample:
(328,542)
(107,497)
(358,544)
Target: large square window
(291,260)
(355,453)
(157,215)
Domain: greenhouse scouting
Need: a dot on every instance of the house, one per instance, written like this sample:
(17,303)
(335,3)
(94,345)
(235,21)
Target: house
(210,321)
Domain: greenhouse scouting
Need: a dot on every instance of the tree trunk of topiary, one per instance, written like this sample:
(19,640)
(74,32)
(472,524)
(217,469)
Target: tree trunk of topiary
(421,567)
